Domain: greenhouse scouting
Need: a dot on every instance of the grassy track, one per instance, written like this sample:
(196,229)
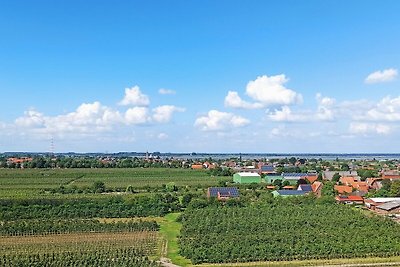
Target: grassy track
(170,230)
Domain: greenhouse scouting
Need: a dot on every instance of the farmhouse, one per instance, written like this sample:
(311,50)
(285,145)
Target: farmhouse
(350,199)
(246,178)
(222,193)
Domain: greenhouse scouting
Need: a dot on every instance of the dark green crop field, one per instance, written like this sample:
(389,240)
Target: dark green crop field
(284,231)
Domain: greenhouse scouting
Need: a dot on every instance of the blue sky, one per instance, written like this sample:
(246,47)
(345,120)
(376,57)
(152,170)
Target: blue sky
(237,76)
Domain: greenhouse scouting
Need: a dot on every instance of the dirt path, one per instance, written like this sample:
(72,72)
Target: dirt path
(167,263)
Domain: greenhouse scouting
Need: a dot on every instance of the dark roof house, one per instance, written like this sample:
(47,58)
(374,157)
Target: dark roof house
(223,193)
(306,188)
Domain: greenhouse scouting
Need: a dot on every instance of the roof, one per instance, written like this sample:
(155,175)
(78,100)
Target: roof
(343,189)
(305,188)
(267,168)
(348,180)
(273,175)
(290,192)
(329,174)
(361,186)
(223,191)
(197,166)
(316,185)
(253,174)
(312,177)
(389,205)
(349,198)
(294,174)
(384,199)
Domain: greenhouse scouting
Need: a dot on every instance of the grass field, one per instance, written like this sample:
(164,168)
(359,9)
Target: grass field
(31,182)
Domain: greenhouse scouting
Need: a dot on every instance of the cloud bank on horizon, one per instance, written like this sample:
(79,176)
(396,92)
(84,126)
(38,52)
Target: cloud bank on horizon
(280,115)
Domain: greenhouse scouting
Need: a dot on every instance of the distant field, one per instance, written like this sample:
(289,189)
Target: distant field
(31,182)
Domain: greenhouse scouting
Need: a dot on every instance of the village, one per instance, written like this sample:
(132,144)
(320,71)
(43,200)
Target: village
(379,194)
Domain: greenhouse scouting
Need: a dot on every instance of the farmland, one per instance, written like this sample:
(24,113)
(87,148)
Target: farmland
(22,183)
(59,217)
(283,231)
(78,243)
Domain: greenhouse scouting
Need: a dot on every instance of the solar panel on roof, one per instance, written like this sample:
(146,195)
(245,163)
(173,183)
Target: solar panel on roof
(305,187)
(267,168)
(225,191)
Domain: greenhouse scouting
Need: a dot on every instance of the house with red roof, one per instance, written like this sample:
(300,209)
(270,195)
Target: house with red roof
(350,199)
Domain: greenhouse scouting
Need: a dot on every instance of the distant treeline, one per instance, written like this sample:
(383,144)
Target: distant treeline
(87,162)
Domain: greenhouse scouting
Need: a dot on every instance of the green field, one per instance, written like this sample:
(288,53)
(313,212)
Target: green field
(33,182)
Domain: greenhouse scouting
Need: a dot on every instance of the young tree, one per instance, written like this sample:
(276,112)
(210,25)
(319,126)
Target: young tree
(99,187)
(336,177)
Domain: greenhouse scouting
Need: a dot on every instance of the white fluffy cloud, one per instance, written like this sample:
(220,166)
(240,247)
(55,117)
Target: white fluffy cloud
(32,118)
(164,113)
(87,118)
(91,119)
(369,128)
(164,91)
(233,100)
(325,112)
(387,109)
(382,76)
(216,121)
(271,91)
(137,115)
(286,114)
(265,91)
(133,96)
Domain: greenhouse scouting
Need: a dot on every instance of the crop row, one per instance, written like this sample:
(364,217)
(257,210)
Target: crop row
(36,227)
(99,258)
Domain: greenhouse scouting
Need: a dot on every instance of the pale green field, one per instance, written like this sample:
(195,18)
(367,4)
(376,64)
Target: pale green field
(32,182)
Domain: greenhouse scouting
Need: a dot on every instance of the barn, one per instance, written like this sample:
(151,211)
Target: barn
(246,178)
